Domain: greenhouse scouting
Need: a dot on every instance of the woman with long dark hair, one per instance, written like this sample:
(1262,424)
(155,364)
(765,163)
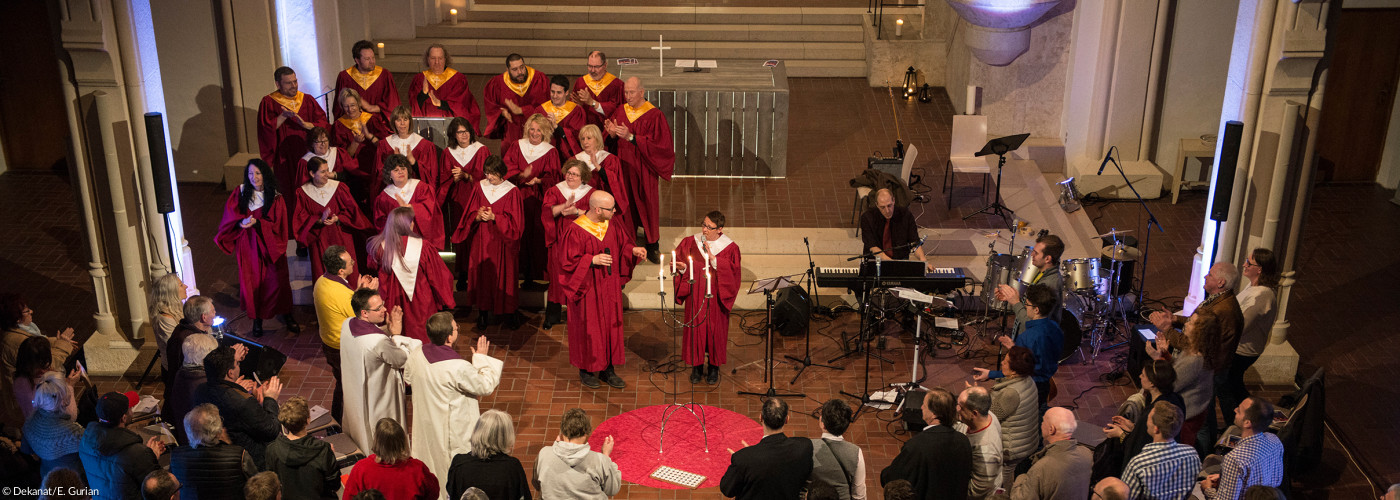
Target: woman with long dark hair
(411,274)
(327,215)
(254,230)
(493,225)
(462,159)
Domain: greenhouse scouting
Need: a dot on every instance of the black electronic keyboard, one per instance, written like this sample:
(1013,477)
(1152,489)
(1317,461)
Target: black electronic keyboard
(942,280)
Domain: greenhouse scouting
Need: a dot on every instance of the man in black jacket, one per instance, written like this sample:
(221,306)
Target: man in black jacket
(210,467)
(115,458)
(938,460)
(304,464)
(249,417)
(888,228)
(775,468)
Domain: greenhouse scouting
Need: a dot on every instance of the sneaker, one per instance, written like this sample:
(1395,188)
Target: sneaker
(695,375)
(712,377)
(589,379)
(612,379)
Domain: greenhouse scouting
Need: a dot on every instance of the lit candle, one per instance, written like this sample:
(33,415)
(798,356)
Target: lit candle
(381,50)
(454,16)
(661,272)
(898,27)
(690,266)
(707,282)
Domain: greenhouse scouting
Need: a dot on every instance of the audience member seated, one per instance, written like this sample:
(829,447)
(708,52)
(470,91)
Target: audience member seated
(1194,364)
(983,432)
(390,470)
(821,490)
(264,486)
(249,409)
(304,464)
(188,378)
(160,484)
(1111,488)
(210,466)
(116,459)
(1165,469)
(1257,459)
(937,461)
(477,494)
(64,484)
(1014,403)
(489,466)
(369,494)
(199,318)
(775,467)
(16,325)
(835,461)
(32,361)
(570,468)
(1261,492)
(50,432)
(1158,380)
(899,489)
(1061,469)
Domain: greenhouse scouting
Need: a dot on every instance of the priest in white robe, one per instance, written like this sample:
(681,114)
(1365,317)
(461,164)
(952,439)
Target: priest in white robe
(445,392)
(372,357)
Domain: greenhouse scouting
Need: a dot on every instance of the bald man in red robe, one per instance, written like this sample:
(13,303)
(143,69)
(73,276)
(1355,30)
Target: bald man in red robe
(567,116)
(378,96)
(284,118)
(598,90)
(442,92)
(598,257)
(507,97)
(648,154)
(708,298)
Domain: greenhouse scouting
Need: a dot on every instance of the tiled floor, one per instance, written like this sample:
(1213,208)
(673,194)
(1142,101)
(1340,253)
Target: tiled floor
(1341,279)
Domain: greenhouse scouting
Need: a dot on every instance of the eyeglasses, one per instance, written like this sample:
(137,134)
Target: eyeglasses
(377,309)
(597,66)
(712,228)
(1250,263)
(610,209)
(323,141)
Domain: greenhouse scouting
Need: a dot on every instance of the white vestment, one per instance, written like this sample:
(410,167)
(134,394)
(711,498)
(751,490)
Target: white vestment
(371,371)
(445,408)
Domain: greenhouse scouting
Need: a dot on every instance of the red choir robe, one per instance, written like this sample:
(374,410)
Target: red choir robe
(471,159)
(424,153)
(452,90)
(341,163)
(427,216)
(312,206)
(568,120)
(375,87)
(281,147)
(261,250)
(608,178)
(650,156)
(709,315)
(364,179)
(543,163)
(495,246)
(500,89)
(553,230)
(608,93)
(594,293)
(420,283)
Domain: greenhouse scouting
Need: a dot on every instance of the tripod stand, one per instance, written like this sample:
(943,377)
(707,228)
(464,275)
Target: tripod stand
(999,147)
(675,405)
(806,359)
(767,286)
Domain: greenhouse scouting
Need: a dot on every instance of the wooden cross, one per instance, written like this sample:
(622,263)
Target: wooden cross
(660,49)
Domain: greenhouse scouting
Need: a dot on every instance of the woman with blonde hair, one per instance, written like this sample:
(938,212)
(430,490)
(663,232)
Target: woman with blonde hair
(51,432)
(532,164)
(390,470)
(606,168)
(167,302)
(489,466)
(358,132)
(411,274)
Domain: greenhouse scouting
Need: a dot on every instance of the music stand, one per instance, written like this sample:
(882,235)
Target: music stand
(767,286)
(999,146)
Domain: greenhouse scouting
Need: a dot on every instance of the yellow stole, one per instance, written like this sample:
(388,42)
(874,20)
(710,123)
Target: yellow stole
(597,86)
(439,79)
(634,113)
(364,79)
(558,113)
(291,103)
(521,88)
(356,124)
(597,229)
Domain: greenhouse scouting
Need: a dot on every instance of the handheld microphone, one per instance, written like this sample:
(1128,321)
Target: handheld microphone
(921,242)
(1106,156)
(608,252)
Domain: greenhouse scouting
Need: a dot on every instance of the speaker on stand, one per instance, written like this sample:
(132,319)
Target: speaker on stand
(160,176)
(1225,179)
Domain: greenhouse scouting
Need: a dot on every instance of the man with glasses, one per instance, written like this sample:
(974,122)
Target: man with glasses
(371,366)
(1042,336)
(1221,299)
(597,263)
(284,118)
(708,293)
(331,296)
(642,139)
(598,90)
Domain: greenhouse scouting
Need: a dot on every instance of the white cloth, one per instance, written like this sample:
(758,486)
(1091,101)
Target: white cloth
(465,155)
(406,191)
(330,157)
(255,202)
(535,151)
(403,146)
(602,156)
(578,193)
(496,191)
(718,246)
(371,371)
(1257,304)
(445,407)
(321,194)
(406,269)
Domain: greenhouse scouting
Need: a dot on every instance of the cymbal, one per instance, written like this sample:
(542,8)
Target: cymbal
(1113,232)
(1122,253)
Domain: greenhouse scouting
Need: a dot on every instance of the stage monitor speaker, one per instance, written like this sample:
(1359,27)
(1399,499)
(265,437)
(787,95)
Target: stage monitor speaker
(1137,351)
(1225,170)
(160,163)
(792,308)
(911,410)
(264,361)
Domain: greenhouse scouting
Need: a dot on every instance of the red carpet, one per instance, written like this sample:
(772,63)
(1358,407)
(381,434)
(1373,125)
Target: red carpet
(637,435)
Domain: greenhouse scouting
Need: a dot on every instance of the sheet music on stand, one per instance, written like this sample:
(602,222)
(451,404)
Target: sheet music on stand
(773,284)
(433,129)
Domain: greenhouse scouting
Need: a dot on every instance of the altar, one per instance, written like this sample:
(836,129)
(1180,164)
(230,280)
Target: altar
(727,121)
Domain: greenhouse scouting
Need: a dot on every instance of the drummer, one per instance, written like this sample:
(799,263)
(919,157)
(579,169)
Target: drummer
(887,229)
(1045,263)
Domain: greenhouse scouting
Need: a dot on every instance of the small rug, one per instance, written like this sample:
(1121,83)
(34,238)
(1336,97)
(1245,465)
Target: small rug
(637,439)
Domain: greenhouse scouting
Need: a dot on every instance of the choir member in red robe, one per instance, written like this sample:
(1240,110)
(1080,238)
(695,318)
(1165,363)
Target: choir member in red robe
(606,171)
(598,90)
(708,293)
(532,165)
(441,91)
(405,191)
(647,153)
(563,202)
(493,224)
(358,132)
(566,116)
(284,118)
(595,254)
(374,84)
(254,230)
(463,158)
(411,274)
(340,163)
(422,154)
(506,97)
(327,215)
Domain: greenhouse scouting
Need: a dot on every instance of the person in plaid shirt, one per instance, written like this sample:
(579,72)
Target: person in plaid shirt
(1256,459)
(1165,469)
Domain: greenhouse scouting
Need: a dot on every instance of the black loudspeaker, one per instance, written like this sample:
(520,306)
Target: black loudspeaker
(792,308)
(911,411)
(1137,352)
(265,361)
(160,164)
(1225,170)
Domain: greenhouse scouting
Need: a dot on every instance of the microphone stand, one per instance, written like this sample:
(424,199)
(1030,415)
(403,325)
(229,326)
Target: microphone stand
(806,360)
(1147,241)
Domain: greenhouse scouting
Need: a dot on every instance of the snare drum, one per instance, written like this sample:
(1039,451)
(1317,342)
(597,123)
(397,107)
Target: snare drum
(1002,269)
(1080,274)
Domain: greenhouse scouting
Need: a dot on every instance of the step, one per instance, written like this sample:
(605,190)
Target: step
(643,32)
(664,15)
(639,49)
(487,65)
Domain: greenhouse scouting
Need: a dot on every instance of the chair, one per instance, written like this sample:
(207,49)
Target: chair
(969,135)
(904,175)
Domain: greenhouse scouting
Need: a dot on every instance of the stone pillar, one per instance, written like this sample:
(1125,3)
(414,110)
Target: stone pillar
(80,171)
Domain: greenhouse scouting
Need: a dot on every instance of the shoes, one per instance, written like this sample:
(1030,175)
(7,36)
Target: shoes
(654,253)
(612,379)
(483,319)
(257,328)
(712,378)
(589,379)
(291,323)
(551,315)
(695,374)
(534,285)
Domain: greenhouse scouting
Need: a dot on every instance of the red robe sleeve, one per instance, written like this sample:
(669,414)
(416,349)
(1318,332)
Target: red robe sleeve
(429,170)
(305,217)
(311,112)
(577,265)
(680,280)
(729,276)
(513,158)
(438,276)
(612,166)
(653,143)
(268,111)
(427,216)
(381,151)
(349,211)
(511,220)
(491,100)
(226,238)
(553,226)
(458,96)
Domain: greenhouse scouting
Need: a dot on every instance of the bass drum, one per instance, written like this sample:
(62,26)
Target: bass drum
(1002,268)
(1080,274)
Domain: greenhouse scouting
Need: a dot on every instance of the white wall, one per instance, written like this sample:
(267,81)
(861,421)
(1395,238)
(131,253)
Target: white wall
(1195,78)
(193,84)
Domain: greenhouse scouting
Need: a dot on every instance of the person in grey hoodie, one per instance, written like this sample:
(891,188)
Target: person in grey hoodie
(304,464)
(571,469)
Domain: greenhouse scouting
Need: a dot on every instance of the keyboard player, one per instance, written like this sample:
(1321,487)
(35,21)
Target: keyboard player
(888,229)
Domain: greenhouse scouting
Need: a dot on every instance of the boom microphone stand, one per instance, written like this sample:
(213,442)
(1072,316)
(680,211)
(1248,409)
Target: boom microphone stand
(1151,221)
(806,359)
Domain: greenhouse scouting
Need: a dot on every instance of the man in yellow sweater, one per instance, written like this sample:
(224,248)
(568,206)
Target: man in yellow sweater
(332,298)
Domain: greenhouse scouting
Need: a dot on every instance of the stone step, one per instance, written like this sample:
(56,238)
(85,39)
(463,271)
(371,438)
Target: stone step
(664,15)
(643,32)
(574,65)
(498,48)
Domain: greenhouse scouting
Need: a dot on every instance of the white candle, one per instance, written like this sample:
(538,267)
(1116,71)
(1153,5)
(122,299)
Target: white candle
(971,100)
(673,262)
(898,27)
(690,266)
(454,16)
(661,275)
(707,282)
(381,49)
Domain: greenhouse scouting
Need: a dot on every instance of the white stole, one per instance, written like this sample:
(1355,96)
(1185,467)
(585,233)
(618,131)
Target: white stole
(494,193)
(578,194)
(321,195)
(532,153)
(718,245)
(398,143)
(406,269)
(330,158)
(255,202)
(407,189)
(583,156)
(465,155)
